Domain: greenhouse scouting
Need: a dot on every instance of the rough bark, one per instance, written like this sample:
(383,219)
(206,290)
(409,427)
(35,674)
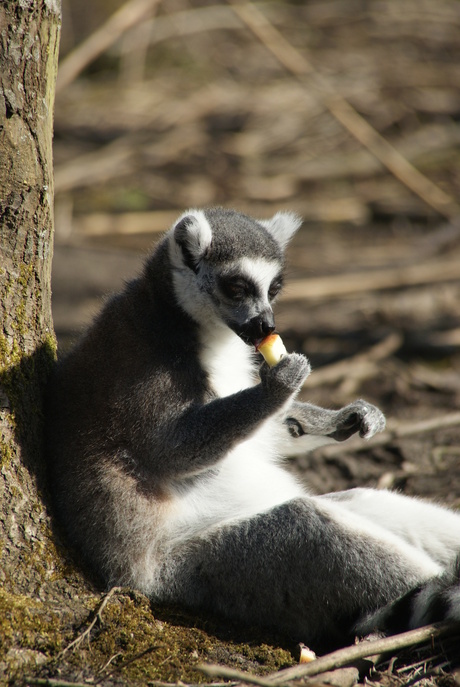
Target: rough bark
(29,35)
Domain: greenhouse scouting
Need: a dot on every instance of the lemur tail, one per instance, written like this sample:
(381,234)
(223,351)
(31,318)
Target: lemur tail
(432,601)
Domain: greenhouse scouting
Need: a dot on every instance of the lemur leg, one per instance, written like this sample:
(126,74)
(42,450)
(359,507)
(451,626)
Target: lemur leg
(426,526)
(298,568)
(310,426)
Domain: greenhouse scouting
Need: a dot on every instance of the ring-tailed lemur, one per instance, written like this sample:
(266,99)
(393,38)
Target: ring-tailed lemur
(165,446)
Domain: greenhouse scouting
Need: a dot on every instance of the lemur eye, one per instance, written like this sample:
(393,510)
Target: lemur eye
(275,288)
(235,288)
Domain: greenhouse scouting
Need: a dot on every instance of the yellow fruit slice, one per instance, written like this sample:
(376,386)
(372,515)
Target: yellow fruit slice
(306,654)
(272,349)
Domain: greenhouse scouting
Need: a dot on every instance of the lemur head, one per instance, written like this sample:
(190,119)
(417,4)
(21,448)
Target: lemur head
(228,268)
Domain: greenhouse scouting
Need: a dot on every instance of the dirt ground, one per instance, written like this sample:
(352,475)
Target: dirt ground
(373,290)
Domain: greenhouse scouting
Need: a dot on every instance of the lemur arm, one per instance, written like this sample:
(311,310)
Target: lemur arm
(205,433)
(334,425)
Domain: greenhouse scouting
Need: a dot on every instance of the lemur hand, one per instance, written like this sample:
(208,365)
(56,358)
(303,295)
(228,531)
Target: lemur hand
(287,376)
(361,417)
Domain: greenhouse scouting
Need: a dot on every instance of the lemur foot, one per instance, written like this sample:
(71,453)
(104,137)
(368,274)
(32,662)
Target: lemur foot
(361,417)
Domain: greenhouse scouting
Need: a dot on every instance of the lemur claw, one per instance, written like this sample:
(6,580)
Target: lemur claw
(294,427)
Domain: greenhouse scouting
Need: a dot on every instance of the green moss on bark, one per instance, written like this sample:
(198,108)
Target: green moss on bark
(24,624)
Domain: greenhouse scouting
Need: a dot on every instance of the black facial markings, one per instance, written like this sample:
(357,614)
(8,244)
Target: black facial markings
(236,287)
(275,287)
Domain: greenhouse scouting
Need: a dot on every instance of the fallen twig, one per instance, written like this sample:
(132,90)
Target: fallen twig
(295,63)
(233,674)
(97,617)
(105,223)
(337,659)
(155,221)
(118,157)
(183,23)
(356,365)
(129,14)
(416,146)
(392,278)
(88,169)
(53,682)
(160,683)
(124,664)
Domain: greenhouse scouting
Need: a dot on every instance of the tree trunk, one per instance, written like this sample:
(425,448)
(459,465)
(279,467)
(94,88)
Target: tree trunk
(29,32)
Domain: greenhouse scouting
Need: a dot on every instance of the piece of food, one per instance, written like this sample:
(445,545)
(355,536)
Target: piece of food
(272,349)
(306,654)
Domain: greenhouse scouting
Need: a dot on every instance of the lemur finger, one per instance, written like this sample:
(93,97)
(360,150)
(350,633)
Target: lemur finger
(373,421)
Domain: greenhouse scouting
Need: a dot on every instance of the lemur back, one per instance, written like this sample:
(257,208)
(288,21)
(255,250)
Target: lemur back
(165,446)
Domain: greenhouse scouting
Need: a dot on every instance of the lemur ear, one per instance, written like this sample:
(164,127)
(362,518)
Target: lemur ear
(193,235)
(282,226)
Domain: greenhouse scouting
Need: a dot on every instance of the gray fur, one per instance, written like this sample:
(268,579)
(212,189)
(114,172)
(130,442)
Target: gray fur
(164,448)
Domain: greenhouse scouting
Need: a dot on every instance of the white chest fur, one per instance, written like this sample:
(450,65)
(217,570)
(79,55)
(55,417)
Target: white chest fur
(228,361)
(248,480)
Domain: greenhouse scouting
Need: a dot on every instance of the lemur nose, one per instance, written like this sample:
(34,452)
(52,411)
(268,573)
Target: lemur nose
(267,328)
(256,328)
(264,324)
